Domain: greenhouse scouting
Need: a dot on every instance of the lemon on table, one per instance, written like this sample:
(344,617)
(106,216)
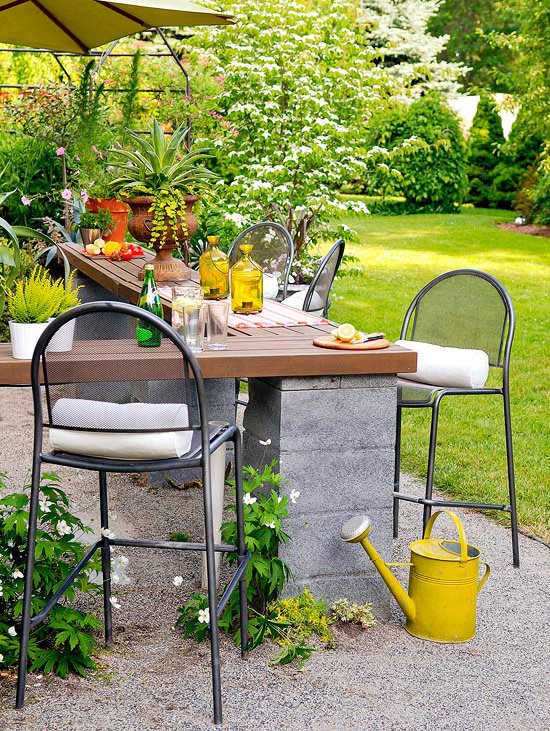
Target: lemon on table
(345,333)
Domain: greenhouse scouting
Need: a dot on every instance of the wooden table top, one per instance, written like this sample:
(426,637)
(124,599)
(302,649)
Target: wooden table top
(254,352)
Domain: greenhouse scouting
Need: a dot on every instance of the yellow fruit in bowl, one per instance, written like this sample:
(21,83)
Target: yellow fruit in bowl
(346,333)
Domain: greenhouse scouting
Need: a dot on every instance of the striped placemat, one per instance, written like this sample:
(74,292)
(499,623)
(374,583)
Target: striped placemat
(274,314)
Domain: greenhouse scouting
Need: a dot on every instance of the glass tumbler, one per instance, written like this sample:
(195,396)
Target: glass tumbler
(189,320)
(218,314)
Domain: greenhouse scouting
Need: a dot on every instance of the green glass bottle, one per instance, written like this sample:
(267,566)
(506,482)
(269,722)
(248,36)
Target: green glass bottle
(147,335)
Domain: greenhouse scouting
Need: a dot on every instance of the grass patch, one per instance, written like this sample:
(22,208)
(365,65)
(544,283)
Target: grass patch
(398,255)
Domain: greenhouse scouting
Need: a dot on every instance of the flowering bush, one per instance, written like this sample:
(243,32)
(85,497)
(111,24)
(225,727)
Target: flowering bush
(64,642)
(285,130)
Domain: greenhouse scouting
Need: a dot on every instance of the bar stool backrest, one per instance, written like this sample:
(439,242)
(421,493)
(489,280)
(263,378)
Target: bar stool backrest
(273,249)
(324,279)
(104,369)
(464,308)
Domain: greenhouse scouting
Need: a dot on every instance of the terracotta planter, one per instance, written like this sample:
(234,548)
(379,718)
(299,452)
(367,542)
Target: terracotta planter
(166,266)
(119,213)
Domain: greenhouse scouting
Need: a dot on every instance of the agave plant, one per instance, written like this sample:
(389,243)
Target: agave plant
(158,164)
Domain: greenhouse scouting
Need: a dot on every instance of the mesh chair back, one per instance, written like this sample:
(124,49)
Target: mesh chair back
(273,249)
(464,308)
(318,294)
(105,382)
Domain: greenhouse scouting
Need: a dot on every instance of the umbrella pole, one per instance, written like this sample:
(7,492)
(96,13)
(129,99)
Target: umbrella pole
(182,68)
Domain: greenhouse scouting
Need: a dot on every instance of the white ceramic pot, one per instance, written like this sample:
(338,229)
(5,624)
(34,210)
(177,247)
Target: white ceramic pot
(62,341)
(24,337)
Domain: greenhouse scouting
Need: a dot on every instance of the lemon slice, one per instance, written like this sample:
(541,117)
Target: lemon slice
(346,333)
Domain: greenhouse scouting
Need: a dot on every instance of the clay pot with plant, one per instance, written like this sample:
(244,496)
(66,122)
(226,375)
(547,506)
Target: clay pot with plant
(161,183)
(94,226)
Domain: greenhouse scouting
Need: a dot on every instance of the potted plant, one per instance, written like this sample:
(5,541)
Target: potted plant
(62,341)
(32,305)
(162,182)
(94,226)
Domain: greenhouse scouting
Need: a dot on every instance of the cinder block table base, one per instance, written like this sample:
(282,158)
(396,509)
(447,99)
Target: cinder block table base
(334,439)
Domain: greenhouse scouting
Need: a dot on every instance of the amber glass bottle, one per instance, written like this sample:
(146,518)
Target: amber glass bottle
(247,295)
(214,271)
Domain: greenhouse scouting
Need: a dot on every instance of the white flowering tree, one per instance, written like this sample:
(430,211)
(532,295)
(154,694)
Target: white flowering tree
(297,89)
(398,31)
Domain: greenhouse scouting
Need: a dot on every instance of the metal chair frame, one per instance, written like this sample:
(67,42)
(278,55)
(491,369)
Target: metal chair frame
(290,242)
(200,458)
(340,245)
(434,402)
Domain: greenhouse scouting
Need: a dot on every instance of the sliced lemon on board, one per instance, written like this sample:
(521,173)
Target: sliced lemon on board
(345,333)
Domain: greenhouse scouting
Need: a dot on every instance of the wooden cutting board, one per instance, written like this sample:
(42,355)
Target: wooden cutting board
(328,341)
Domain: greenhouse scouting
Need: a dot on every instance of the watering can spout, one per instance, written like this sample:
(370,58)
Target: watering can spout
(356,530)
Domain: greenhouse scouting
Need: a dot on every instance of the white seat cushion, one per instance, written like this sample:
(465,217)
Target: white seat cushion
(105,415)
(297,300)
(447,367)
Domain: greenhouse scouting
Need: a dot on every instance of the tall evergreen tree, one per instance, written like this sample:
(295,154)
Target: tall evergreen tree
(484,143)
(397,30)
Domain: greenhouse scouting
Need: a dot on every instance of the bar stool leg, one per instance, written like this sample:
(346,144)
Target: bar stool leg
(431,462)
(397,472)
(243,599)
(511,477)
(27,594)
(212,600)
(105,558)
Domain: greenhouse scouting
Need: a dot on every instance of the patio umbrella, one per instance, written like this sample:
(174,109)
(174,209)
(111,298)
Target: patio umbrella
(66,25)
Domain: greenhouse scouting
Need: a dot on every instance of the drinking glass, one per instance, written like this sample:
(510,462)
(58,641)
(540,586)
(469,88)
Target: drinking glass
(189,320)
(218,314)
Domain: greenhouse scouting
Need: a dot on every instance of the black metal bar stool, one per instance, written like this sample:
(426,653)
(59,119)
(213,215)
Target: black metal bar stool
(113,406)
(464,308)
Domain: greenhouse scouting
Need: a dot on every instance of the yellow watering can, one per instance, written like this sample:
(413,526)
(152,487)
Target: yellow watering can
(443,581)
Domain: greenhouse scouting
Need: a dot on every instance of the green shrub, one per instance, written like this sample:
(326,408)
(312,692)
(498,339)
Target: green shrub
(484,143)
(425,144)
(539,194)
(517,157)
(64,642)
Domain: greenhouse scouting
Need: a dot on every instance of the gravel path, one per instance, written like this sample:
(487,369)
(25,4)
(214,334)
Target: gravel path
(153,680)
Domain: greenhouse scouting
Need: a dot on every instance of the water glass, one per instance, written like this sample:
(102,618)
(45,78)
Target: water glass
(218,314)
(189,320)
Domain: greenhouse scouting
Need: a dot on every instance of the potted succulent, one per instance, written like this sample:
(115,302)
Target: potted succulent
(94,226)
(32,305)
(162,182)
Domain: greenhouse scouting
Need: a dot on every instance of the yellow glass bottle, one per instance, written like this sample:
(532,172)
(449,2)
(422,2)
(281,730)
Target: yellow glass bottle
(247,284)
(214,271)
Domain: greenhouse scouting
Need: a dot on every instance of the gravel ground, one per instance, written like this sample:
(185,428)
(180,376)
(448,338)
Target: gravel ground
(379,679)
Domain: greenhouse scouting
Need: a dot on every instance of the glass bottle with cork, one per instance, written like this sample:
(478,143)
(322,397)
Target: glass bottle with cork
(214,271)
(247,280)
(147,335)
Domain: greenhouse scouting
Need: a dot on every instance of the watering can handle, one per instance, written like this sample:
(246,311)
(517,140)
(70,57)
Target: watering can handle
(459,527)
(485,577)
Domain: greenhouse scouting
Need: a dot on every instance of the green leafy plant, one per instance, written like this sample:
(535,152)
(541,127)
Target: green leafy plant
(344,611)
(101,220)
(289,622)
(64,642)
(159,167)
(38,297)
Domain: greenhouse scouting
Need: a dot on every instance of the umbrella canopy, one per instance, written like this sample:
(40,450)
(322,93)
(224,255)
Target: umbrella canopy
(66,25)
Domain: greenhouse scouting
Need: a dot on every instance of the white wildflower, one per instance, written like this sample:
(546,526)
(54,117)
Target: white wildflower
(1,657)
(248,499)
(177,580)
(204,616)
(294,495)
(106,533)
(270,525)
(265,443)
(12,632)
(114,601)
(63,528)
(45,504)
(17,574)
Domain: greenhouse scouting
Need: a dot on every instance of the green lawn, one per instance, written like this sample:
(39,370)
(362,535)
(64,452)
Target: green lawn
(398,255)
